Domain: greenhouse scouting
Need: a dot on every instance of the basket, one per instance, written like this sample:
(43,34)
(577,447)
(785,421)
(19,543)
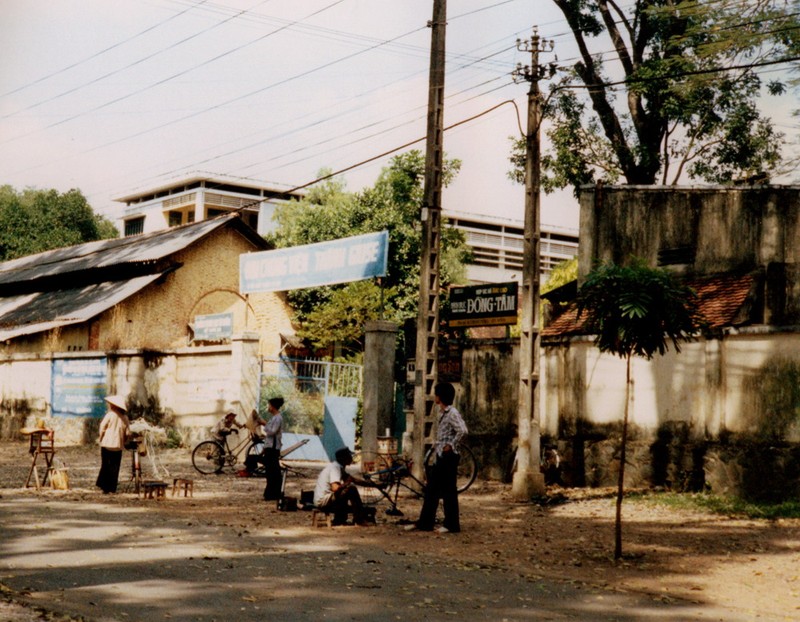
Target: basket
(59,479)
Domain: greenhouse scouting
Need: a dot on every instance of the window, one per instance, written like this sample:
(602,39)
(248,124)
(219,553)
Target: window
(134,226)
(679,255)
(175,219)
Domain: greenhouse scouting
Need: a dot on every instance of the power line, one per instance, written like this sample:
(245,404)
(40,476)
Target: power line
(172,77)
(128,66)
(103,51)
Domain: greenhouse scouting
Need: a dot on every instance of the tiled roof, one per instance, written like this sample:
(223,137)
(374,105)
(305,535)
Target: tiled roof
(721,299)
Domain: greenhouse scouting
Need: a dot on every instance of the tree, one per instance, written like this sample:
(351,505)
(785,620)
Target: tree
(561,274)
(635,310)
(33,221)
(336,314)
(677,95)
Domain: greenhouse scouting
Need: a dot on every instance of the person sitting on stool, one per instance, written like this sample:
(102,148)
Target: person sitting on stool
(335,491)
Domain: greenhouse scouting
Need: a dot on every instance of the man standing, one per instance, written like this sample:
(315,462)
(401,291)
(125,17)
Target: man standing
(443,475)
(273,435)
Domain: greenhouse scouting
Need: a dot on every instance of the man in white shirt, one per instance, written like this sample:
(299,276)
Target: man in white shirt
(336,493)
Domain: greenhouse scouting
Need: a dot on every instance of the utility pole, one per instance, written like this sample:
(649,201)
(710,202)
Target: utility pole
(428,318)
(528,479)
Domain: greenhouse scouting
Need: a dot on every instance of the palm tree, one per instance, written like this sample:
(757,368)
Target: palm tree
(635,310)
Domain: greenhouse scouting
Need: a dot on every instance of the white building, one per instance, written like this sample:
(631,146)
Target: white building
(497,245)
(199,197)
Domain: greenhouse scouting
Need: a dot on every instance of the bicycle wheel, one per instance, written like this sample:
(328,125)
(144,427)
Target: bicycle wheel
(208,457)
(370,495)
(467,466)
(376,469)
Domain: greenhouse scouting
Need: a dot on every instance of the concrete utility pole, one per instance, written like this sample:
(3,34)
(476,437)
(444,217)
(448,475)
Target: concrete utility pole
(528,479)
(428,318)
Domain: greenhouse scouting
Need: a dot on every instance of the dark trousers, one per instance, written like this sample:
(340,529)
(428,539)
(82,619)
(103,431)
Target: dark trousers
(442,484)
(343,502)
(109,469)
(272,468)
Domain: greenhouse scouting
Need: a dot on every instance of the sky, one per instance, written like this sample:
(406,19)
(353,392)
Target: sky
(118,96)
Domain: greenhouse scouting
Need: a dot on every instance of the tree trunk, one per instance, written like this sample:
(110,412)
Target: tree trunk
(622,451)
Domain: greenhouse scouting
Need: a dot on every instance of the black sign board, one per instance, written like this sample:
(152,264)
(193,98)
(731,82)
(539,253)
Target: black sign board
(494,304)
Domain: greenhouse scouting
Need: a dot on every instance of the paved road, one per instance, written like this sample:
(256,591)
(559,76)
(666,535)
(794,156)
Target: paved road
(108,562)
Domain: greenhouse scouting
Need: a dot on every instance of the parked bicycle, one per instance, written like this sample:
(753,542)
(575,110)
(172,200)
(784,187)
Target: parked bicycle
(392,473)
(214,456)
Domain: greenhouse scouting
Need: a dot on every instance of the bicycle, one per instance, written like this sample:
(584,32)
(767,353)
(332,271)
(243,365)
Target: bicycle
(395,473)
(212,456)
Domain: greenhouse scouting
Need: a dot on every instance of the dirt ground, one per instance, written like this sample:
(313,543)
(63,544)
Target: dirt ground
(748,566)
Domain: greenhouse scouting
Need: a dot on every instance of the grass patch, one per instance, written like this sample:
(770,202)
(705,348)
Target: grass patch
(716,504)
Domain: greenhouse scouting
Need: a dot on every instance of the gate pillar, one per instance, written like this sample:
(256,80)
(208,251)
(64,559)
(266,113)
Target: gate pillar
(378,385)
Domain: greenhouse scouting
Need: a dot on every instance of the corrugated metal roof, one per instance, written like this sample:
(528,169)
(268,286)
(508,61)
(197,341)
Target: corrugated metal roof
(33,313)
(105,253)
(74,284)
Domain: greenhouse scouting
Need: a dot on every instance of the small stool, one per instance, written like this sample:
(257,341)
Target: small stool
(155,490)
(319,518)
(183,485)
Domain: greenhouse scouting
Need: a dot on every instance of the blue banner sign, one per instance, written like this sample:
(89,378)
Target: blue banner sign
(214,327)
(78,387)
(339,261)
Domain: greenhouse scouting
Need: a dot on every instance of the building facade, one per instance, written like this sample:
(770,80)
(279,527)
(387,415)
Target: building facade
(199,197)
(497,245)
(724,412)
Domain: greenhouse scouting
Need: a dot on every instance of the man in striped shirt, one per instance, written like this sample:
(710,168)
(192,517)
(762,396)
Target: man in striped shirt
(443,474)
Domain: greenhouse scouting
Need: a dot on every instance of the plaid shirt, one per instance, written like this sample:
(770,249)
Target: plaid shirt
(451,429)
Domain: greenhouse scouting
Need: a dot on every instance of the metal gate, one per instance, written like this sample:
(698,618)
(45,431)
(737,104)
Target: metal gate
(322,403)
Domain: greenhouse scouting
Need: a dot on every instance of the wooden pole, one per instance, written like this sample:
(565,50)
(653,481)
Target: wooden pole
(428,316)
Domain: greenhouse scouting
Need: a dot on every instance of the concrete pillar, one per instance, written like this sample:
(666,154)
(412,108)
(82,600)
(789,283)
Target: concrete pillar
(200,205)
(378,385)
(244,376)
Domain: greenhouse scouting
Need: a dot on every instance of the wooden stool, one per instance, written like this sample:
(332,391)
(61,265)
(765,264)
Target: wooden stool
(320,518)
(184,485)
(155,490)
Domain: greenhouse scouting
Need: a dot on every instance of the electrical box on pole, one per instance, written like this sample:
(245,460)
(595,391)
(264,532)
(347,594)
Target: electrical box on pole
(431,215)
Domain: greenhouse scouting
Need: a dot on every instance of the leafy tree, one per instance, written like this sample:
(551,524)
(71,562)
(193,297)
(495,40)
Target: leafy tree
(336,314)
(561,274)
(680,96)
(635,310)
(33,221)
